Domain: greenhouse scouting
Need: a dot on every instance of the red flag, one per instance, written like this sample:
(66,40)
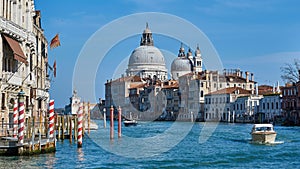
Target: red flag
(55,42)
(54,68)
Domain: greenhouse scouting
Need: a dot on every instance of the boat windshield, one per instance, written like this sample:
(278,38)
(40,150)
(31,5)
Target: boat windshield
(263,129)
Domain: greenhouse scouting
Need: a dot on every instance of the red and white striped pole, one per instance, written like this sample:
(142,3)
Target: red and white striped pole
(15,116)
(51,119)
(119,121)
(21,117)
(111,122)
(79,124)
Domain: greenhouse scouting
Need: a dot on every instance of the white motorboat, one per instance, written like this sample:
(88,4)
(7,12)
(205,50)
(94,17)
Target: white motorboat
(263,133)
(130,123)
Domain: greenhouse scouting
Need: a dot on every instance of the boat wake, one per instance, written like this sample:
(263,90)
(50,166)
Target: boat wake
(261,143)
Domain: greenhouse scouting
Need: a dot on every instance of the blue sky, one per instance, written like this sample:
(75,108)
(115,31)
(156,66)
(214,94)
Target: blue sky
(258,36)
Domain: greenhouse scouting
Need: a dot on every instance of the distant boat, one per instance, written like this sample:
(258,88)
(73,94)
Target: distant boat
(130,123)
(93,125)
(263,133)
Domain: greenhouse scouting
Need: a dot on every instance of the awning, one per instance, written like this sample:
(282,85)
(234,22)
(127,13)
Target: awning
(16,48)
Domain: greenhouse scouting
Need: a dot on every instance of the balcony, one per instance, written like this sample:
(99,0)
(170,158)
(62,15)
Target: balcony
(15,30)
(12,78)
(42,94)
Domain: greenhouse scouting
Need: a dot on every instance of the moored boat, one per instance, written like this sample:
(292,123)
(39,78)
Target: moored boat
(263,133)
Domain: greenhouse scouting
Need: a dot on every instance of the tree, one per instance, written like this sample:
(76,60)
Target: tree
(290,71)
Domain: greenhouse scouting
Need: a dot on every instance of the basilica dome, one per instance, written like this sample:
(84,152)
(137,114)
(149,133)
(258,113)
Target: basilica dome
(147,57)
(147,60)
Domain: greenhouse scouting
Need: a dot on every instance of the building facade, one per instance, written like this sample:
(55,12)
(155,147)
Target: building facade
(24,59)
(291,103)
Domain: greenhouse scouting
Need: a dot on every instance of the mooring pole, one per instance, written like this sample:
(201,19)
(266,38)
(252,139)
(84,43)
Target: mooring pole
(80,126)
(15,119)
(51,119)
(111,122)
(21,120)
(89,118)
(70,128)
(119,121)
(104,117)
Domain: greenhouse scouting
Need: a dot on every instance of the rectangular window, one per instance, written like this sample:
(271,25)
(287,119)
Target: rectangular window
(3,101)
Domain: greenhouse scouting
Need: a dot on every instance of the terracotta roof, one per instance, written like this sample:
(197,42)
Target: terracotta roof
(127,79)
(231,90)
(137,85)
(267,90)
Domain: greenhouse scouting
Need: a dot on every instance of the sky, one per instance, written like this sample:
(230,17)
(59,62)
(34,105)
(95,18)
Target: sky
(256,36)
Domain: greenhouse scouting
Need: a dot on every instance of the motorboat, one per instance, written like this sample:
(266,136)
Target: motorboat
(263,133)
(130,123)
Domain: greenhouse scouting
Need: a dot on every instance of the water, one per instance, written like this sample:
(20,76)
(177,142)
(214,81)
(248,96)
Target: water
(228,147)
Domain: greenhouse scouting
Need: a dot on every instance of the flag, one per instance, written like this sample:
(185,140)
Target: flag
(54,68)
(55,42)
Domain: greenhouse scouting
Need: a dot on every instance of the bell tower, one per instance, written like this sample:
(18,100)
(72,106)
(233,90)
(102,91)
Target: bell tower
(198,60)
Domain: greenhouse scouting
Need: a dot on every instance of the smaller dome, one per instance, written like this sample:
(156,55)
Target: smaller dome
(181,64)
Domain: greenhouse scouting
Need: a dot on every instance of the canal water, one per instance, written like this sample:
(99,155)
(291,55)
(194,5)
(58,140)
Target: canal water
(170,145)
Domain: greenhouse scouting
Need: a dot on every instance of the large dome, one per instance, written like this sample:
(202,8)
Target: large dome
(145,56)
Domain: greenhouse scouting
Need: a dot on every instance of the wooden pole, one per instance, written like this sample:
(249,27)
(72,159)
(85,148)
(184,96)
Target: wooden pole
(33,133)
(75,127)
(40,128)
(28,128)
(89,118)
(58,121)
(119,122)
(70,129)
(63,127)
(111,122)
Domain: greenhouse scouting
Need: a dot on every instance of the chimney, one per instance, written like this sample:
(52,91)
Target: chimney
(252,77)
(247,76)
(299,74)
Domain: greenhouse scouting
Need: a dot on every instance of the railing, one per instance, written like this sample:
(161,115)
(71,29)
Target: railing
(41,93)
(11,27)
(12,78)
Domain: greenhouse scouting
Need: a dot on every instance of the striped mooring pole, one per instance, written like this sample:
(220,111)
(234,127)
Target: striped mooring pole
(51,119)
(15,116)
(79,122)
(21,117)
